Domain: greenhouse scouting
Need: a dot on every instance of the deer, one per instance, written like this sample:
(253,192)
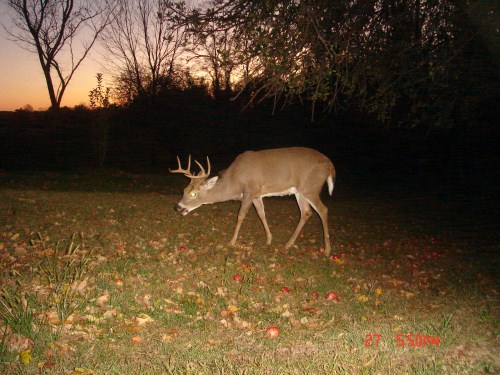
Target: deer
(254,175)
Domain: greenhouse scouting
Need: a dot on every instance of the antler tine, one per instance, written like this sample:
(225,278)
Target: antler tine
(186,172)
(189,166)
(203,174)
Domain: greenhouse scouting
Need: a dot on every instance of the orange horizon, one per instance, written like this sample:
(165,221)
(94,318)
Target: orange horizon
(23,83)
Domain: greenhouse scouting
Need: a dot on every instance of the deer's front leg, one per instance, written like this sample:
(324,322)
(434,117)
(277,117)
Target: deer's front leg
(259,206)
(245,205)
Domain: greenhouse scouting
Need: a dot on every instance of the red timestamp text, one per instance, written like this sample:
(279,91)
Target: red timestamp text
(409,340)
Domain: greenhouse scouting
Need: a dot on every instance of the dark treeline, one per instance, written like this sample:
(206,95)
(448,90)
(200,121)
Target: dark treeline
(395,88)
(147,136)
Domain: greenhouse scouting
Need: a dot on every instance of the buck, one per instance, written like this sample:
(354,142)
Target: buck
(254,175)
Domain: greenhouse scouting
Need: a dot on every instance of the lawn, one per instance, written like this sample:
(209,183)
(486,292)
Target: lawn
(99,275)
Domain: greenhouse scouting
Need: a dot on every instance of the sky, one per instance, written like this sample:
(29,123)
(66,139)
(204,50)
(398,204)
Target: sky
(21,78)
(22,81)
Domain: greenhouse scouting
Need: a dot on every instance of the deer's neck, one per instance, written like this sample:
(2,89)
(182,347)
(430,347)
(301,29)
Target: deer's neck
(224,190)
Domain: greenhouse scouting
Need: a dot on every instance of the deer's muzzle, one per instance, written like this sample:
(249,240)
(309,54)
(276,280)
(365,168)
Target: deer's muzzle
(182,210)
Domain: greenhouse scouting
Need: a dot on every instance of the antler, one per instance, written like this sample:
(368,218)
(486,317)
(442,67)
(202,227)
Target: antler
(187,171)
(203,174)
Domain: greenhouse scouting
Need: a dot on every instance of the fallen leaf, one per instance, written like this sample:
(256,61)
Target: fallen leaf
(142,319)
(51,318)
(110,313)
(170,335)
(80,286)
(82,371)
(227,314)
(240,323)
(102,299)
(120,250)
(370,362)
(331,296)
(25,356)
(15,342)
(362,298)
(136,340)
(409,295)
(273,332)
(46,364)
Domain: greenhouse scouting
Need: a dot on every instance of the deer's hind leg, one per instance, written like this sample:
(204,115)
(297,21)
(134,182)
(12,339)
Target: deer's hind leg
(305,214)
(322,210)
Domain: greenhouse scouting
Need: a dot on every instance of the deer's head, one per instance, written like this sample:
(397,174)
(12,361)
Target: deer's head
(195,194)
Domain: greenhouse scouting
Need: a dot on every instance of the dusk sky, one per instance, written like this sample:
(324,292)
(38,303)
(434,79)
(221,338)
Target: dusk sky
(22,81)
(21,77)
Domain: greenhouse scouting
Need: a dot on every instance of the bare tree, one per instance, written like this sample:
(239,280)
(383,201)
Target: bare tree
(145,40)
(61,33)
(213,48)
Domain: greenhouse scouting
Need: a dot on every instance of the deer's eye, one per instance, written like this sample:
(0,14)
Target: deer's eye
(192,194)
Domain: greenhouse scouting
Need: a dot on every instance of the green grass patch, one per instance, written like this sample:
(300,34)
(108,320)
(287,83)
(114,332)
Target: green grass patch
(107,279)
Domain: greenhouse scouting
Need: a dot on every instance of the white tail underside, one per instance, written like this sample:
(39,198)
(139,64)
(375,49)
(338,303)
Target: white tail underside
(331,184)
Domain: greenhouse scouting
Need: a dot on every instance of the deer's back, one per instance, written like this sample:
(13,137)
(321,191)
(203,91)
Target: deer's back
(278,170)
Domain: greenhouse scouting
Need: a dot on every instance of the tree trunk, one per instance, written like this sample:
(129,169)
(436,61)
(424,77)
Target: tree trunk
(54,103)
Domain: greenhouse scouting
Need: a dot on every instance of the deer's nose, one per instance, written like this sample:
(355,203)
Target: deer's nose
(182,210)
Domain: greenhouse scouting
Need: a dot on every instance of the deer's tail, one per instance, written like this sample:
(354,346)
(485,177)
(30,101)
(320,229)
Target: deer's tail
(331,179)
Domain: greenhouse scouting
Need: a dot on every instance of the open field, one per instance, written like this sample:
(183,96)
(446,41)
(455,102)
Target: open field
(99,275)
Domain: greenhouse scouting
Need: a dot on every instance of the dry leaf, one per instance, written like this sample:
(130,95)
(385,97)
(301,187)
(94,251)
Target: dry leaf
(82,371)
(362,298)
(25,356)
(142,319)
(80,286)
(16,343)
(110,314)
(102,299)
(46,364)
(51,318)
(136,339)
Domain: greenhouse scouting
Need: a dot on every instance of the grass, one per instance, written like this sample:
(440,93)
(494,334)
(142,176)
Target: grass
(99,275)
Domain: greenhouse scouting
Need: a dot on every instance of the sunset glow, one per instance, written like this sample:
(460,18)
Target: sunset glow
(22,80)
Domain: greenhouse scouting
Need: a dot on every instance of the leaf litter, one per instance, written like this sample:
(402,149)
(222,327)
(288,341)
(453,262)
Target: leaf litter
(171,282)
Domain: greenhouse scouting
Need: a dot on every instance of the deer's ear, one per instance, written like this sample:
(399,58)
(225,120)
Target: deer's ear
(209,183)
